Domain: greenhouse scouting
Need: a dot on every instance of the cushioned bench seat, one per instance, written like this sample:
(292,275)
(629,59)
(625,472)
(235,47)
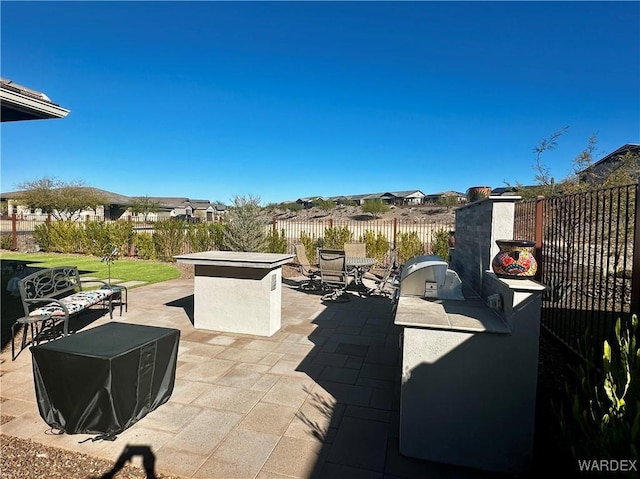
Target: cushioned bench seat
(74,303)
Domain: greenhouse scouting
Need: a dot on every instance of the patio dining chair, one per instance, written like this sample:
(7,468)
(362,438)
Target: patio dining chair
(312,272)
(333,273)
(358,250)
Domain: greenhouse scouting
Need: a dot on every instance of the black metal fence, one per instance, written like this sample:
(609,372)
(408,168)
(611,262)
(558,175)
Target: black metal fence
(585,247)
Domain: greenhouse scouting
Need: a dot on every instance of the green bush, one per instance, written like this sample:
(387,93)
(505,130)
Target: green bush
(335,237)
(276,242)
(440,243)
(168,239)
(6,241)
(409,246)
(377,245)
(120,235)
(204,236)
(602,416)
(144,246)
(60,236)
(375,207)
(95,238)
(310,246)
(42,236)
(292,206)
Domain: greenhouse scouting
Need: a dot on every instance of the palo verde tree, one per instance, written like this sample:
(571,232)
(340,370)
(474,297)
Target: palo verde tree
(62,200)
(375,207)
(448,201)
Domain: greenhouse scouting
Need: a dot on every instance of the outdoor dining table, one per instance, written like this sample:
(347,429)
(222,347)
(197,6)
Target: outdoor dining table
(358,266)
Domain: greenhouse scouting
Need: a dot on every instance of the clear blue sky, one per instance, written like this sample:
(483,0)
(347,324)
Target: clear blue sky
(283,100)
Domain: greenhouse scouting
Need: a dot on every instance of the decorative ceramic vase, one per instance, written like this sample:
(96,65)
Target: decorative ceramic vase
(515,259)
(477,193)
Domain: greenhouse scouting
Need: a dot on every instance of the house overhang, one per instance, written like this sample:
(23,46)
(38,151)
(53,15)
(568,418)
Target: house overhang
(19,103)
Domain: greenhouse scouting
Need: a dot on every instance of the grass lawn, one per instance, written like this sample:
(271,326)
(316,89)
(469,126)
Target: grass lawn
(123,269)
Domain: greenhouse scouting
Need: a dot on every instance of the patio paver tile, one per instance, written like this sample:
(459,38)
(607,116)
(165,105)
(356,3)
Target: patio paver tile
(184,463)
(172,416)
(360,443)
(339,375)
(205,431)
(268,418)
(338,471)
(229,399)
(239,378)
(294,457)
(241,455)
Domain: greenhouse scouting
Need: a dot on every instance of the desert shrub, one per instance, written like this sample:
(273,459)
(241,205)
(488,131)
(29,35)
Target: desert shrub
(292,206)
(335,237)
(6,241)
(244,229)
(204,236)
(276,242)
(60,236)
(440,243)
(120,235)
(601,418)
(409,246)
(310,246)
(377,245)
(144,246)
(99,238)
(42,236)
(168,239)
(375,207)
(95,238)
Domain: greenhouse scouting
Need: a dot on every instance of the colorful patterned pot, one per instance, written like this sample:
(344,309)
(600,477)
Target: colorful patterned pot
(515,259)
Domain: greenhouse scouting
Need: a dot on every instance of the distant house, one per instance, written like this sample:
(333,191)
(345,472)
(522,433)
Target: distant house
(409,197)
(435,198)
(605,166)
(120,207)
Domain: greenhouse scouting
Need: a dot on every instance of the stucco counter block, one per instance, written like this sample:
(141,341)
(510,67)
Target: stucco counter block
(469,377)
(237,292)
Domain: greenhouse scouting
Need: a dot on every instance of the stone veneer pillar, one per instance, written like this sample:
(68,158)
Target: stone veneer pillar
(478,226)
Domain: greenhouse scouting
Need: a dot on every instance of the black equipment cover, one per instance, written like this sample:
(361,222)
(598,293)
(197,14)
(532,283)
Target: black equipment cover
(104,379)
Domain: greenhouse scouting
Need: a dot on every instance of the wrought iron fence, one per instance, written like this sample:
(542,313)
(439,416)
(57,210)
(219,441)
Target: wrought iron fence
(587,259)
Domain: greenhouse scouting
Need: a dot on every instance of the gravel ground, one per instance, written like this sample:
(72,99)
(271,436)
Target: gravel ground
(25,459)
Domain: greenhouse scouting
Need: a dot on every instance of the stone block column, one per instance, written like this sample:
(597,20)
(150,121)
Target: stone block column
(478,226)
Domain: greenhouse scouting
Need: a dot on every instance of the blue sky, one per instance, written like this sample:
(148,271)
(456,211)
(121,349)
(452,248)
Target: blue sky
(282,100)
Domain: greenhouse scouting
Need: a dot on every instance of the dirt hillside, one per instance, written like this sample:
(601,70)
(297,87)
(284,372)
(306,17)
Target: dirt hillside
(354,213)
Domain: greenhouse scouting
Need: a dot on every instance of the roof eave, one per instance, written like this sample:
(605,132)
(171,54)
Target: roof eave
(33,107)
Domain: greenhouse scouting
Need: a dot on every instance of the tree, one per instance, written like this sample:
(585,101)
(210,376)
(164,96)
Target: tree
(144,206)
(448,201)
(64,201)
(324,205)
(375,207)
(245,228)
(625,171)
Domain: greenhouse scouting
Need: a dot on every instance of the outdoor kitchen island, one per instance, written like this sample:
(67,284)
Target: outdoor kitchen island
(469,376)
(236,291)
